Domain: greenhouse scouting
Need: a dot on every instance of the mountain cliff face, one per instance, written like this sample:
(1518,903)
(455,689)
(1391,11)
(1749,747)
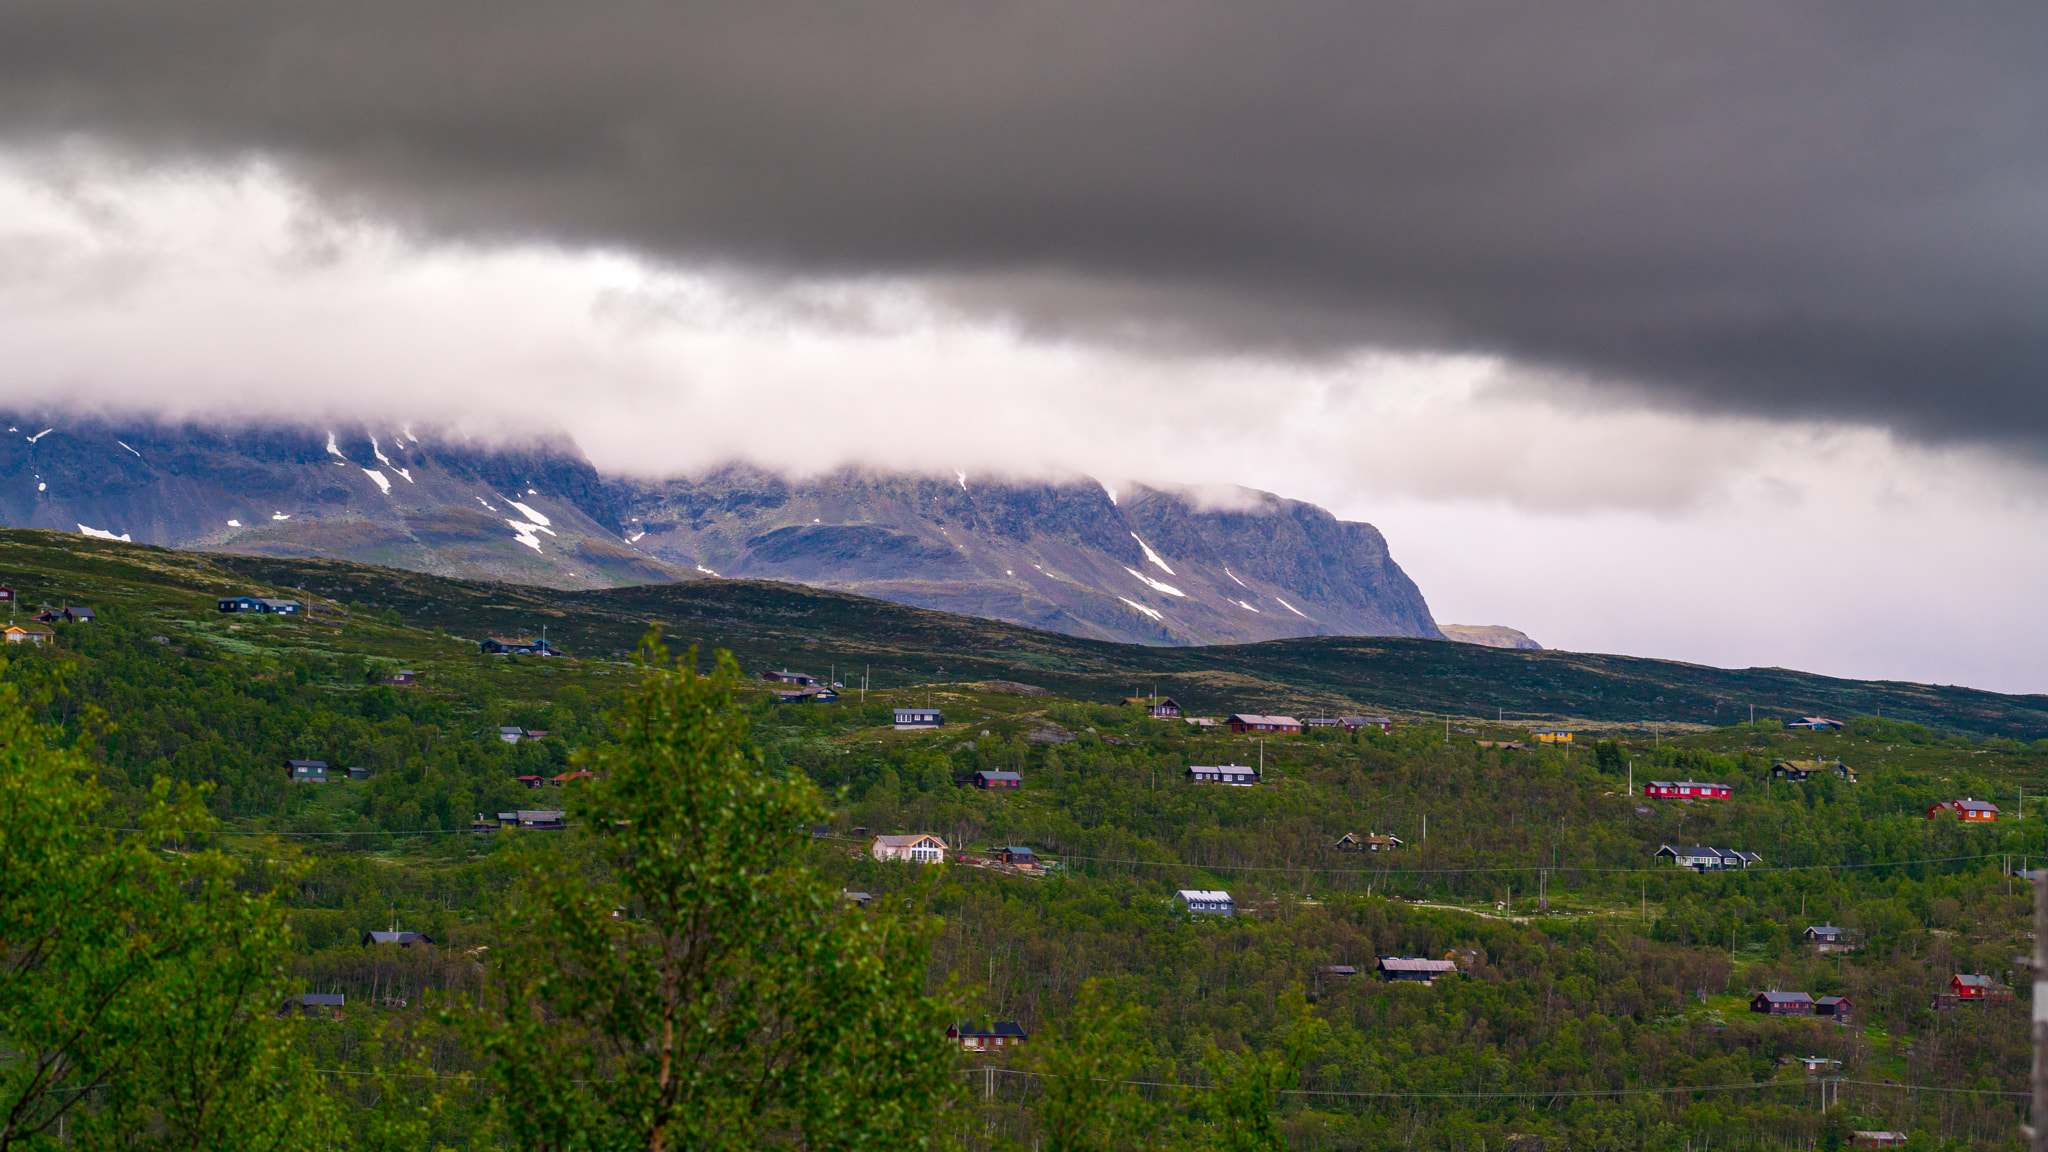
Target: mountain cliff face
(1149,565)
(539,515)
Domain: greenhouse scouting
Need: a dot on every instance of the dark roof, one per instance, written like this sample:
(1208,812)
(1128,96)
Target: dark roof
(1342,970)
(1824,930)
(1973,980)
(1000,776)
(1783,997)
(307,763)
(1834,1000)
(1015,850)
(395,938)
(312,999)
(1001,1028)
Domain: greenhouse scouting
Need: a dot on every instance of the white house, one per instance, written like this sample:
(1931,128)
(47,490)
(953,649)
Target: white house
(1236,774)
(922,847)
(1213,903)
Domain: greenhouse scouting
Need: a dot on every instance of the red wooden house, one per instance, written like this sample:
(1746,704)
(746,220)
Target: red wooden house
(1971,986)
(1971,811)
(1687,790)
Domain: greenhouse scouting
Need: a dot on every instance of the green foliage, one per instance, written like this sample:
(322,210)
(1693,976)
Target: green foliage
(695,986)
(1248,1085)
(141,983)
(1084,1065)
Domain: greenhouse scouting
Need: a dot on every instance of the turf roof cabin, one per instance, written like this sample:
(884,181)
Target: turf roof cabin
(1370,842)
(16,634)
(1158,709)
(1798,770)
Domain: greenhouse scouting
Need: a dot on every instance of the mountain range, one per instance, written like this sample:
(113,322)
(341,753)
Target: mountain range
(1148,564)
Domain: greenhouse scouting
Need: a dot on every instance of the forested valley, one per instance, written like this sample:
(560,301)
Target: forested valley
(1603,1000)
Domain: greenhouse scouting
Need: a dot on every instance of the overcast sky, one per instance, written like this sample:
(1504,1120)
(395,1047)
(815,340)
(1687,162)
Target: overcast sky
(1711,332)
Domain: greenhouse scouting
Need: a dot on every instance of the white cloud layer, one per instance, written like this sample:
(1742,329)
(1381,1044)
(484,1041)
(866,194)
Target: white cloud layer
(1511,497)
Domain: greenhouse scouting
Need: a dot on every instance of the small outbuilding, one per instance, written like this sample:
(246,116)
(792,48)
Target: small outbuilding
(1838,1008)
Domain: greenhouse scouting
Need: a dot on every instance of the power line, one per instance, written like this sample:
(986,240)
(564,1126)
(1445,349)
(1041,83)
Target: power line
(1515,868)
(1519,1094)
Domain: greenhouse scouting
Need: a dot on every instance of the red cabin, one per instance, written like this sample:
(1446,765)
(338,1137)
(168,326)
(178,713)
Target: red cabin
(1687,790)
(1971,811)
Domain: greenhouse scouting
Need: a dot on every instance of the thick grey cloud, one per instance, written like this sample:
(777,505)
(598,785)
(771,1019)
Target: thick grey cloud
(1818,208)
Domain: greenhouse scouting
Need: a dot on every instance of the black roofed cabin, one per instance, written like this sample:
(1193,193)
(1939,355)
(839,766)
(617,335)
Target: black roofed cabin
(918,718)
(500,646)
(1782,1003)
(402,939)
(307,771)
(261,605)
(998,780)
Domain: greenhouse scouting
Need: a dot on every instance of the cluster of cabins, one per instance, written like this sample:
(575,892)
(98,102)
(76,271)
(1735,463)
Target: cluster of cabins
(36,634)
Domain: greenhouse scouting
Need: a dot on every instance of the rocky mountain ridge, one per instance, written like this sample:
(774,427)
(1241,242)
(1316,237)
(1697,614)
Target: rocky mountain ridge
(1152,565)
(1149,565)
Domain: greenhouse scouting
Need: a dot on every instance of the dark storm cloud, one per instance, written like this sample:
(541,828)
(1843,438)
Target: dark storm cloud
(1815,208)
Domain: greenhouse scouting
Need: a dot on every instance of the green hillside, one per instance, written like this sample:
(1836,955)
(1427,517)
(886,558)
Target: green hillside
(1603,993)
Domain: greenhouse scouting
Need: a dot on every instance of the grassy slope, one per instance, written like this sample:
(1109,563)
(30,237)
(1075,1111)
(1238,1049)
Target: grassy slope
(768,624)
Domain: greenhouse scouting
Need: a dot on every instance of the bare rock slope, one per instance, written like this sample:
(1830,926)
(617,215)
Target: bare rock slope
(1148,565)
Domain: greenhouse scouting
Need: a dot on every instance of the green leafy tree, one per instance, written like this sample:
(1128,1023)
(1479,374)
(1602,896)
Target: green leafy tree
(139,984)
(1084,1065)
(697,987)
(1247,1099)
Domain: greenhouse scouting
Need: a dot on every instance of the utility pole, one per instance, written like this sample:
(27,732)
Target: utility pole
(2037,1135)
